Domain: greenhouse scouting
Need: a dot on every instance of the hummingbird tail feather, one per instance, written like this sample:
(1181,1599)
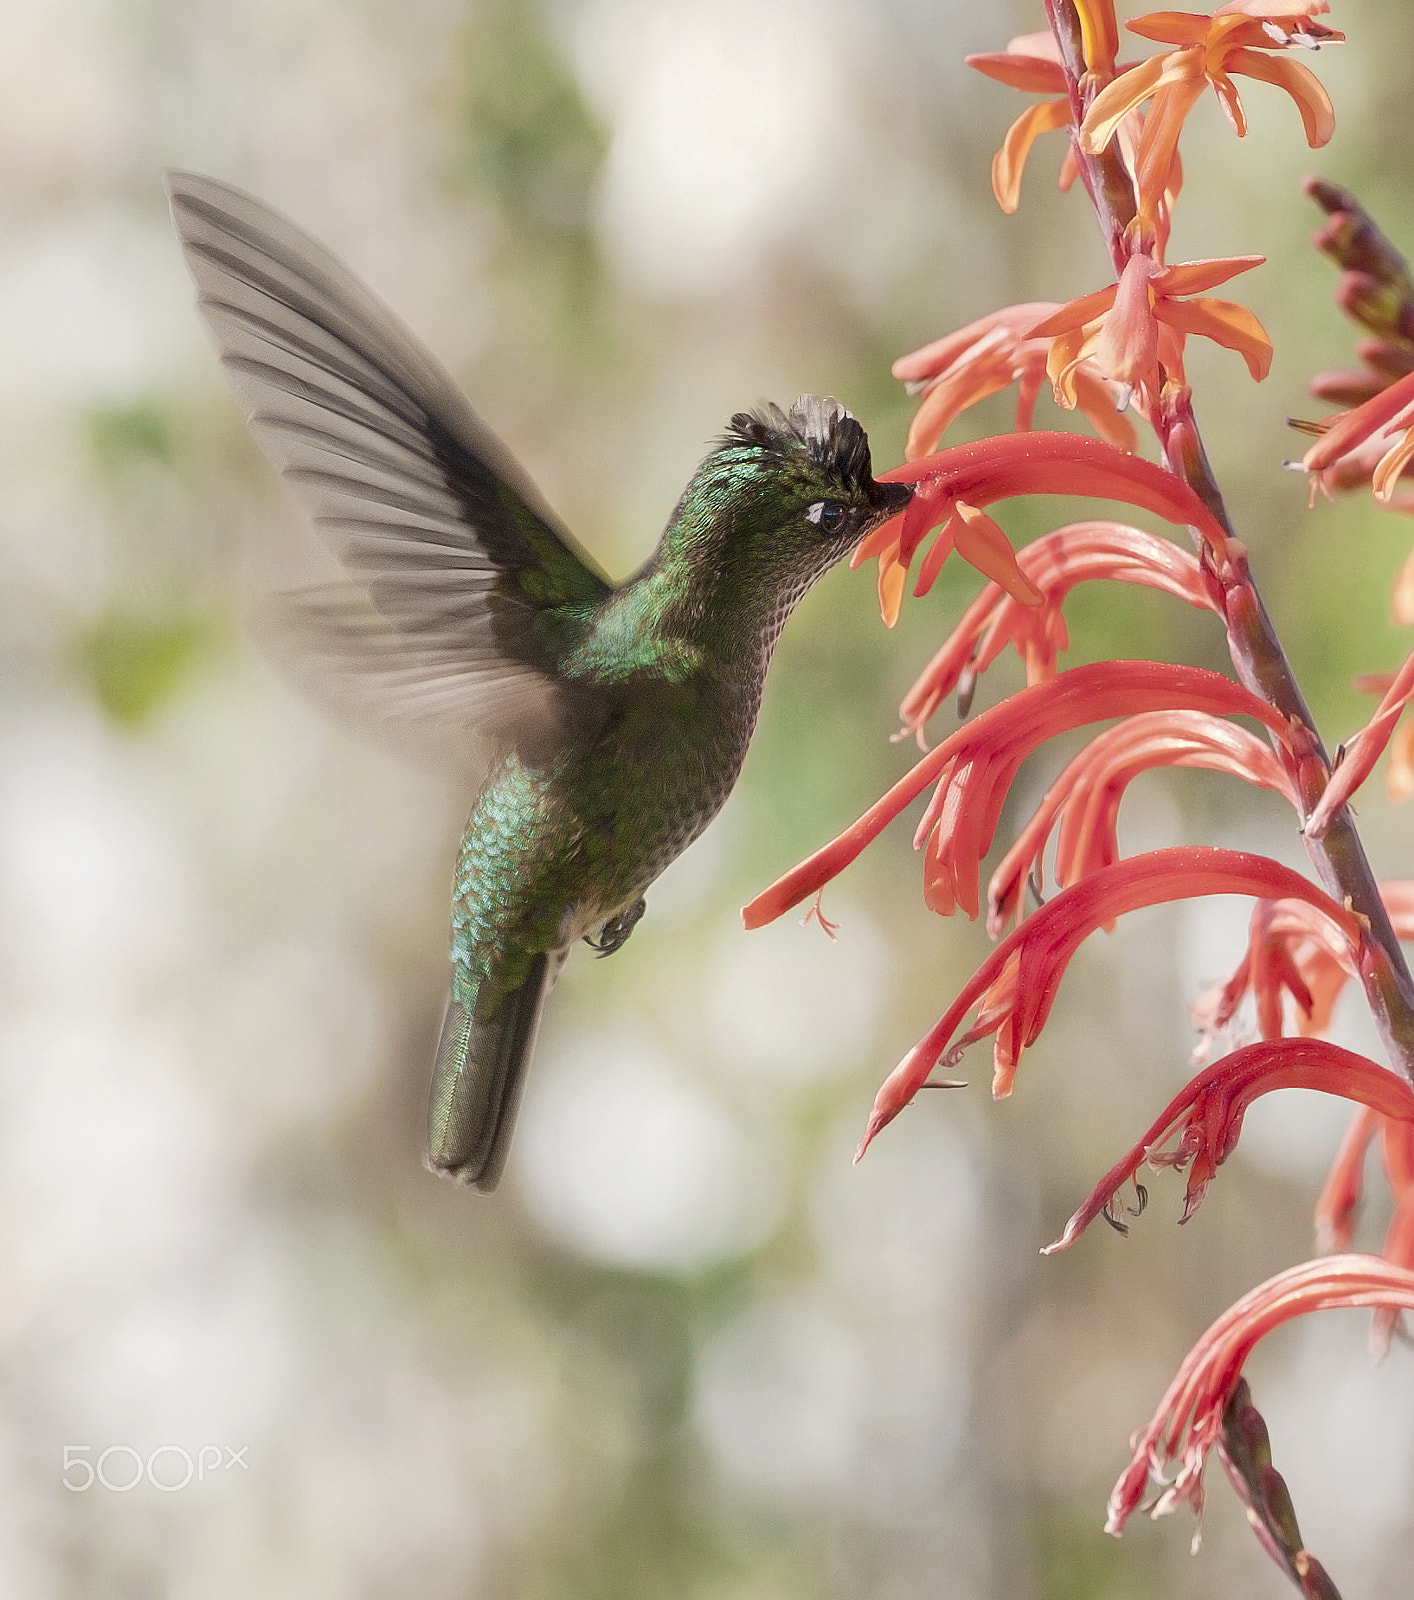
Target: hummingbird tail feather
(478,1079)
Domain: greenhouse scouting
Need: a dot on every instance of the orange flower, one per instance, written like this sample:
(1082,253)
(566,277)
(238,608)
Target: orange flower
(1210,49)
(1055,564)
(1205,1118)
(987,356)
(1136,326)
(1099,36)
(1189,1420)
(1031,62)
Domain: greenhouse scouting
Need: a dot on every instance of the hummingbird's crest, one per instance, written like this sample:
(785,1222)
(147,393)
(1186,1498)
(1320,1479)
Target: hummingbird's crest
(818,425)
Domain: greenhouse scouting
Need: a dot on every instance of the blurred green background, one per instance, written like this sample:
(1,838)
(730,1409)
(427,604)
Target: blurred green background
(687,1349)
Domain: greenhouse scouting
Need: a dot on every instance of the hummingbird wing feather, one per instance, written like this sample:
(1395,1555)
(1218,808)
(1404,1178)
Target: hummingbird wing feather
(455,554)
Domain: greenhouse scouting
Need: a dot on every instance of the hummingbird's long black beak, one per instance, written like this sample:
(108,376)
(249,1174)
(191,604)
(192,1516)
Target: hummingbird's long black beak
(888,499)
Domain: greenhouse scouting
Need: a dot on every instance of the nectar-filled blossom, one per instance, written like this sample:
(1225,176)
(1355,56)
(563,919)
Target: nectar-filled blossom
(987,356)
(1080,552)
(978,474)
(1137,326)
(1199,1128)
(1173,1450)
(1014,988)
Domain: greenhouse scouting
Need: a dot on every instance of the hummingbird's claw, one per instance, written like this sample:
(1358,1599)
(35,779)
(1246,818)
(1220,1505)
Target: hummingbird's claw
(613,934)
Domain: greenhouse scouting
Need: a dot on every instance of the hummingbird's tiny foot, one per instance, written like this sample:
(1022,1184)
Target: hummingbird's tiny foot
(613,934)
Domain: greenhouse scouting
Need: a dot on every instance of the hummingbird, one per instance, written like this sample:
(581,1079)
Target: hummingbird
(618,715)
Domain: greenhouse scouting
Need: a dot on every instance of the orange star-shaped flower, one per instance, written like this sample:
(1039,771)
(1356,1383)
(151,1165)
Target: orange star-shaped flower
(1210,49)
(1138,325)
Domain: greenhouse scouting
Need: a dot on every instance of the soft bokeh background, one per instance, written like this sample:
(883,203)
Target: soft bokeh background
(687,1349)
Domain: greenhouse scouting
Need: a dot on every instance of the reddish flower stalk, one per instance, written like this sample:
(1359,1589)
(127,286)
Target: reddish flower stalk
(1189,1419)
(1205,1117)
(1016,985)
(975,766)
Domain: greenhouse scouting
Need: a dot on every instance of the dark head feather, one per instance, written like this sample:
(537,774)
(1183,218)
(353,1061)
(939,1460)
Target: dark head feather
(817,424)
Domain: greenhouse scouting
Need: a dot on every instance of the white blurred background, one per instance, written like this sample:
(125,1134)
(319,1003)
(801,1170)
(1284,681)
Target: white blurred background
(688,1349)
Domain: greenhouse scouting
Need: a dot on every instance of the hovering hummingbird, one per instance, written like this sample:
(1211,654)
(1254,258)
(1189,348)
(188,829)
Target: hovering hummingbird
(620,715)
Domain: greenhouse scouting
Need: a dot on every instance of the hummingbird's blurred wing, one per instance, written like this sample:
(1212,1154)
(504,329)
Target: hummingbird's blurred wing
(438,526)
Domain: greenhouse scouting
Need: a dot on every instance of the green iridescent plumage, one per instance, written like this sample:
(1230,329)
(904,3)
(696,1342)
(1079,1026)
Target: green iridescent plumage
(620,715)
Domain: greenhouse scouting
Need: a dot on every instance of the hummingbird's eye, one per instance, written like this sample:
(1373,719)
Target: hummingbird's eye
(827,515)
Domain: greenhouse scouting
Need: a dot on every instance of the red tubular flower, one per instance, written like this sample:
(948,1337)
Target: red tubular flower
(1190,1416)
(974,767)
(1399,774)
(1384,426)
(1054,564)
(1345,1184)
(987,356)
(1397,1151)
(1087,795)
(1291,949)
(1205,1117)
(1361,752)
(1016,985)
(978,474)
